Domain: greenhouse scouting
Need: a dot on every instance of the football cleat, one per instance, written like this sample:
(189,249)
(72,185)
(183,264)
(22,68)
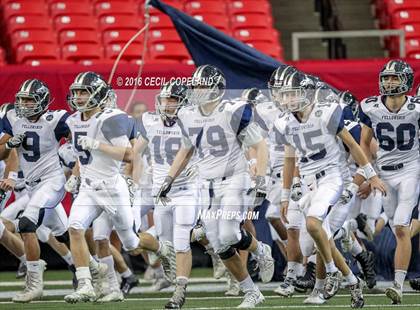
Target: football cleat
(83,293)
(315,298)
(128,283)
(286,289)
(394,293)
(332,284)
(251,299)
(356,293)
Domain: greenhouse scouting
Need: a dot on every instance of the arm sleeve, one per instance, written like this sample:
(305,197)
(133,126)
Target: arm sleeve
(115,126)
(241,118)
(7,127)
(62,130)
(336,121)
(364,119)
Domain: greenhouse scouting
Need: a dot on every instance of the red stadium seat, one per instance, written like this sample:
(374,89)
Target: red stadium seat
(271,49)
(43,62)
(244,7)
(119,22)
(24,8)
(215,20)
(134,51)
(95,62)
(29,22)
(116,7)
(405,17)
(74,22)
(32,36)
(120,36)
(249,21)
(412,48)
(79,51)
(412,30)
(36,51)
(164,35)
(70,8)
(2,56)
(153,11)
(205,6)
(255,34)
(175,51)
(160,22)
(78,36)
(393,6)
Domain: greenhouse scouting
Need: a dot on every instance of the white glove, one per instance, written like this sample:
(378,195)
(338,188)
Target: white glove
(296,190)
(348,193)
(72,184)
(15,141)
(87,143)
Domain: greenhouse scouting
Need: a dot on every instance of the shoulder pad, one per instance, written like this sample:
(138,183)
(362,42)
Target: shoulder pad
(231,105)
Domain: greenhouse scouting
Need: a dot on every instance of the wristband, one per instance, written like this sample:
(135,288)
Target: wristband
(369,171)
(296,180)
(285,194)
(353,188)
(13,175)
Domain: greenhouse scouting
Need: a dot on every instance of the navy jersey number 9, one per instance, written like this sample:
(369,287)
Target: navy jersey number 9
(86,158)
(31,144)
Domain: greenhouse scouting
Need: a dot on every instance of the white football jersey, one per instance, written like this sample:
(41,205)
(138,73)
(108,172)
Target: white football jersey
(397,133)
(265,115)
(315,140)
(215,137)
(38,154)
(109,127)
(164,144)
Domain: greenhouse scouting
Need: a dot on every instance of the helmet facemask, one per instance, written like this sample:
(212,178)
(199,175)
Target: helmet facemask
(90,101)
(294,99)
(204,91)
(168,106)
(29,105)
(392,84)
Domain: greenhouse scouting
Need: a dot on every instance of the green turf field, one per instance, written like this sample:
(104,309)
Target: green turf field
(202,296)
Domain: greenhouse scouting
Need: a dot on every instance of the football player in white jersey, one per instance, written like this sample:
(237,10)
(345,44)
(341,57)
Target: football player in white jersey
(99,138)
(309,132)
(35,133)
(393,118)
(175,219)
(216,130)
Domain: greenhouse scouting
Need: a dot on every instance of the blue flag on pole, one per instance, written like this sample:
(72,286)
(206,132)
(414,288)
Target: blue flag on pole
(243,66)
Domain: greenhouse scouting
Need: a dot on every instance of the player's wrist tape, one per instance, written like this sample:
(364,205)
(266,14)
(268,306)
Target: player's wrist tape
(13,175)
(353,188)
(285,194)
(296,180)
(369,171)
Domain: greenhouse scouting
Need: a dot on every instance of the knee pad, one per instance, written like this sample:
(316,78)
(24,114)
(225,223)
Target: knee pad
(226,254)
(245,242)
(182,238)
(64,238)
(129,239)
(43,233)
(26,225)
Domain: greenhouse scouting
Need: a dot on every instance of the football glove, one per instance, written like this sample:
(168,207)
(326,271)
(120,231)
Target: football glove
(164,190)
(260,190)
(296,190)
(87,143)
(72,184)
(15,141)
